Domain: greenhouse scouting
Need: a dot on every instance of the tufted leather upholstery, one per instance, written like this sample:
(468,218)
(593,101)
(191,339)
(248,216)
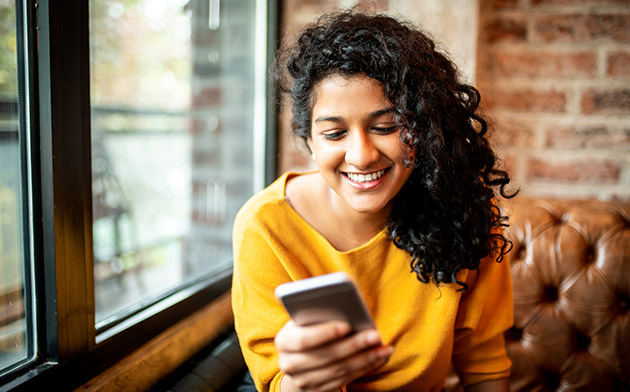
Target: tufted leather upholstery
(571,274)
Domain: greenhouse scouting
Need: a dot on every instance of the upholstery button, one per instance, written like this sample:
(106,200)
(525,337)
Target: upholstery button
(589,257)
(551,379)
(520,252)
(513,334)
(560,219)
(582,342)
(550,294)
(624,303)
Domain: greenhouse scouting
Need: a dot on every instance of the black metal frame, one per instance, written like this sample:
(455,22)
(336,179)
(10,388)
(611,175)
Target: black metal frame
(26,107)
(67,354)
(27,99)
(274,12)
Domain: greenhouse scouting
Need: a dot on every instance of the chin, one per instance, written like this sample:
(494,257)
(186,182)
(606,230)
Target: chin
(368,208)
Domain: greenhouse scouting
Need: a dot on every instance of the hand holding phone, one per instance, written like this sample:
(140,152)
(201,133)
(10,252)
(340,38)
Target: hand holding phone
(309,350)
(331,297)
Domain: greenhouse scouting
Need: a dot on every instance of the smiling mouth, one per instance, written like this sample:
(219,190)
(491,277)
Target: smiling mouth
(361,178)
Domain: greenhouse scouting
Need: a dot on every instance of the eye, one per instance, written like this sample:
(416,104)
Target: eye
(385,130)
(334,135)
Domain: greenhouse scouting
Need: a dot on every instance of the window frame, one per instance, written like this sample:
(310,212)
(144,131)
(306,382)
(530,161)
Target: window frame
(67,353)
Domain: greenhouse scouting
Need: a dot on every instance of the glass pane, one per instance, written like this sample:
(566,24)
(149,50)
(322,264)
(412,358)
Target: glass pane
(172,142)
(13,336)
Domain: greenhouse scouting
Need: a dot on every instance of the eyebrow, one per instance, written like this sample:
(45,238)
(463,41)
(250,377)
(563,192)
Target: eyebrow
(370,116)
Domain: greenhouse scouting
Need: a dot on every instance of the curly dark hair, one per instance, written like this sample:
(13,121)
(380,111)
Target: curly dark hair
(445,216)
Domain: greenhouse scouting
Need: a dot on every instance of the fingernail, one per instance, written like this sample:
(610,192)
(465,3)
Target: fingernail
(385,352)
(343,329)
(372,338)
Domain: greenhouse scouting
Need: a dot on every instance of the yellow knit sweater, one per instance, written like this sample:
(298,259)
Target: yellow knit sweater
(429,328)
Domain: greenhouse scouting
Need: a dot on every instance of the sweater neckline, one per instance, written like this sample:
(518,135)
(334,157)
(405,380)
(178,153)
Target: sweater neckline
(382,234)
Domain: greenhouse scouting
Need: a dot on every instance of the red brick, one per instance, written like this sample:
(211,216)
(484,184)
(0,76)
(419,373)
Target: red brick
(578,28)
(544,64)
(619,65)
(613,26)
(606,101)
(508,164)
(528,100)
(585,171)
(579,138)
(503,4)
(506,134)
(372,5)
(505,29)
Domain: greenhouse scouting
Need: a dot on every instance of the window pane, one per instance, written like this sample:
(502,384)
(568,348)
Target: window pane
(14,342)
(172,142)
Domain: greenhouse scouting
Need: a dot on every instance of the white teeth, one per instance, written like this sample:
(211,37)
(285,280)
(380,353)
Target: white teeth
(366,177)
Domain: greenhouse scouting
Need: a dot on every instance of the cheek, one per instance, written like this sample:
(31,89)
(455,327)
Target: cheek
(327,155)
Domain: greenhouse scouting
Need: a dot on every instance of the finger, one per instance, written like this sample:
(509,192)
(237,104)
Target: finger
(293,362)
(294,338)
(343,372)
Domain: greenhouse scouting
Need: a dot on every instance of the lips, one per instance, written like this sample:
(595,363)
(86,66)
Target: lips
(362,178)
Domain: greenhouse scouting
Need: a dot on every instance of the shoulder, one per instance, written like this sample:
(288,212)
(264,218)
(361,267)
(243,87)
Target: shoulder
(268,206)
(262,203)
(302,190)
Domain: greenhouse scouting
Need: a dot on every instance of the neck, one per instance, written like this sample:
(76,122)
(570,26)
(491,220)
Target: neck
(356,228)
(344,227)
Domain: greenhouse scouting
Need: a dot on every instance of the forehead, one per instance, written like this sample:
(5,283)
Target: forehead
(338,94)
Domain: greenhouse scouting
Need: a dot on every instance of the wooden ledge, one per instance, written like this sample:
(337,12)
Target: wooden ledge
(159,357)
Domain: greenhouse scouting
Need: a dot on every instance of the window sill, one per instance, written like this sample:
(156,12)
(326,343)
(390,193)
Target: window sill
(166,352)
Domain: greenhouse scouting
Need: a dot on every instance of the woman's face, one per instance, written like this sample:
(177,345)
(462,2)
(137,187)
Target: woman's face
(356,144)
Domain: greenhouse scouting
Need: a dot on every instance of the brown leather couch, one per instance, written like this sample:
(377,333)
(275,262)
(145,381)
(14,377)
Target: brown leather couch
(571,274)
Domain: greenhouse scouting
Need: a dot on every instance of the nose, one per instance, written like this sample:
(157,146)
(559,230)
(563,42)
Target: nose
(361,151)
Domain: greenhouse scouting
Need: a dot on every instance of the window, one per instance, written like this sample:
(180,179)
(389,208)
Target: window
(172,143)
(147,133)
(16,309)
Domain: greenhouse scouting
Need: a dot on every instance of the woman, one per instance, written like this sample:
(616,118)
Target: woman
(405,181)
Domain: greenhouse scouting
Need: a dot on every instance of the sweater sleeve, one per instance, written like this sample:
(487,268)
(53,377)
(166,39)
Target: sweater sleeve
(485,312)
(258,315)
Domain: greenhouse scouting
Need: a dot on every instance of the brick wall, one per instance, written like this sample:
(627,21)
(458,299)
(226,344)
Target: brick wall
(555,76)
(555,81)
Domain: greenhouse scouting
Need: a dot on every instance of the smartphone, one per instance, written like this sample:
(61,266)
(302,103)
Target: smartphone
(325,298)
